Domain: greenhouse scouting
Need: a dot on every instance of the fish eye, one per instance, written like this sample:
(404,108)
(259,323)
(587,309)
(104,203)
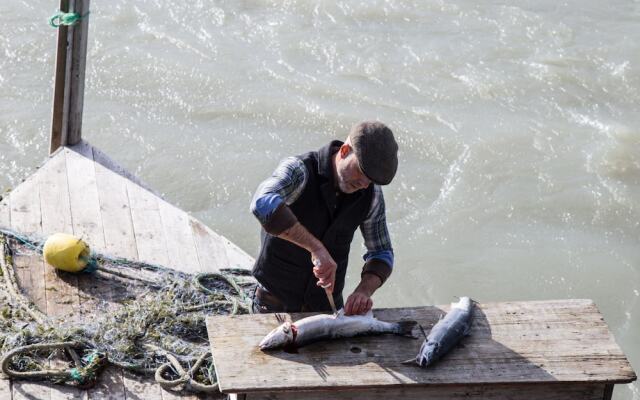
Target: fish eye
(285,328)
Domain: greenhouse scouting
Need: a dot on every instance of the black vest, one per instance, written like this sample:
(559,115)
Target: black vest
(285,269)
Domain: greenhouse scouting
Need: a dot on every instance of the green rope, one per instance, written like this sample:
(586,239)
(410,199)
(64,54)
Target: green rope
(66,19)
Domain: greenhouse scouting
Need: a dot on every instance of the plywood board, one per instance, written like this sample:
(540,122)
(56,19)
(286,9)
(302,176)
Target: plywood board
(519,342)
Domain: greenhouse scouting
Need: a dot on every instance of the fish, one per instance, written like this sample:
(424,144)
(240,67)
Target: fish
(446,333)
(292,335)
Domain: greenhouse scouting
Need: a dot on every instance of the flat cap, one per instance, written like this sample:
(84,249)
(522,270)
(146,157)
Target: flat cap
(376,150)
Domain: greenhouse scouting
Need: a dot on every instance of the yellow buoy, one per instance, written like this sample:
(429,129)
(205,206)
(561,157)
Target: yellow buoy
(66,252)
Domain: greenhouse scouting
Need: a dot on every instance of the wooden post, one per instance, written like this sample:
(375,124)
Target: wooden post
(68,95)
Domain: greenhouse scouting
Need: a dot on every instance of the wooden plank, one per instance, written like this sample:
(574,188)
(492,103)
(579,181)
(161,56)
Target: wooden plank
(88,224)
(26,218)
(61,289)
(5,388)
(109,386)
(83,194)
(181,247)
(58,130)
(519,342)
(115,211)
(212,252)
(147,225)
(545,391)
(237,257)
(183,395)
(141,388)
(107,162)
(79,33)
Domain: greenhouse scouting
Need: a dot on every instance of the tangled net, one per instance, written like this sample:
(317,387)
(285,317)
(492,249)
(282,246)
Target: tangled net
(153,323)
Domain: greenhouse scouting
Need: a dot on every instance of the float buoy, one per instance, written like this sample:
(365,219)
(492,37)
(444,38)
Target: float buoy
(66,252)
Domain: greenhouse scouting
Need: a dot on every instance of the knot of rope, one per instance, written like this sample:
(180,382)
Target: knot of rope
(188,378)
(83,375)
(62,18)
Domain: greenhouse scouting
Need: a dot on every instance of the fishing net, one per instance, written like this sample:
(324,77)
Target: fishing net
(150,320)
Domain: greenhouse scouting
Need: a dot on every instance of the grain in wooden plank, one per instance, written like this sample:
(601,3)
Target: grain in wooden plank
(181,246)
(26,218)
(115,211)
(83,194)
(147,225)
(212,253)
(485,392)
(484,358)
(25,207)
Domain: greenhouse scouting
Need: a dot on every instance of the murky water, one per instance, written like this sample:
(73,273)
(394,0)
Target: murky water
(518,124)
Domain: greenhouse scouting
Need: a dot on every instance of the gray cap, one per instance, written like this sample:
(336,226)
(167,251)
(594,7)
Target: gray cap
(376,150)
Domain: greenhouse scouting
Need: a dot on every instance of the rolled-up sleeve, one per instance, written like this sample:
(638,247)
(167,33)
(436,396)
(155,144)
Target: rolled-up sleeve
(273,196)
(379,256)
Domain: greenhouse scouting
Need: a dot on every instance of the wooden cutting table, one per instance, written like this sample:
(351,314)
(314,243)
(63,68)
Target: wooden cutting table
(521,350)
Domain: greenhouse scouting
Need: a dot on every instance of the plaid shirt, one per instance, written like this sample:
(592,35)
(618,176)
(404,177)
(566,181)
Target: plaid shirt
(287,183)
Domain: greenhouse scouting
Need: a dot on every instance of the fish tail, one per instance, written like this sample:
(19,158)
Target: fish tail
(405,328)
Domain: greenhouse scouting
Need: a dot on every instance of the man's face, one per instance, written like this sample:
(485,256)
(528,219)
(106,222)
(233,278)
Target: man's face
(349,176)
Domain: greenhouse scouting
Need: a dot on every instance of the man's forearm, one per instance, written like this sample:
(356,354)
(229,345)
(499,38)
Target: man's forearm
(300,236)
(369,283)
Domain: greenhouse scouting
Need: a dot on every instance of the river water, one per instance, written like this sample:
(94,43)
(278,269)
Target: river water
(517,121)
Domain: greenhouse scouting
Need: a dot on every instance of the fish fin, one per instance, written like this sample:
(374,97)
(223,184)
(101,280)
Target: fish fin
(409,361)
(280,318)
(422,330)
(405,328)
(369,313)
(467,331)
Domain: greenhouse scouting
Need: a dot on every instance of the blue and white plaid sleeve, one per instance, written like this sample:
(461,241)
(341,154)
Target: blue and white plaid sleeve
(375,233)
(283,186)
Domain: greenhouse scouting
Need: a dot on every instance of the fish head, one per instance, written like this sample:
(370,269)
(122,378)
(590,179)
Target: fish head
(281,336)
(428,354)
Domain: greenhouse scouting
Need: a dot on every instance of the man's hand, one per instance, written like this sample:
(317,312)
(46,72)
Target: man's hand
(324,268)
(358,303)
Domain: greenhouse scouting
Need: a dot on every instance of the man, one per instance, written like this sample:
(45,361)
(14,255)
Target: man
(309,210)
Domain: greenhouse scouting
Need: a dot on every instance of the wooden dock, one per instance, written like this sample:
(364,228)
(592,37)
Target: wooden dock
(79,190)
(542,350)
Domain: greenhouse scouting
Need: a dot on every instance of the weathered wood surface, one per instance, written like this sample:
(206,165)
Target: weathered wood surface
(549,391)
(71,59)
(519,342)
(79,190)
